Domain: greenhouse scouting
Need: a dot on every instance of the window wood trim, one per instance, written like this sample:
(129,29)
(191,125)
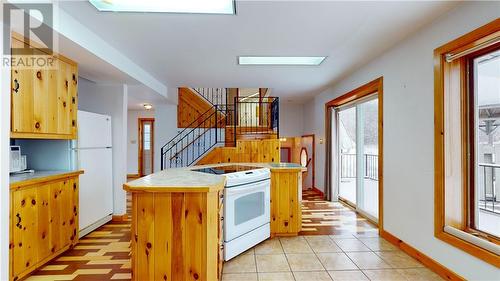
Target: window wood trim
(140,144)
(445,72)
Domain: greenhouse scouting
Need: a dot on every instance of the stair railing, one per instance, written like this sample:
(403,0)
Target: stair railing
(251,116)
(257,116)
(215,96)
(200,137)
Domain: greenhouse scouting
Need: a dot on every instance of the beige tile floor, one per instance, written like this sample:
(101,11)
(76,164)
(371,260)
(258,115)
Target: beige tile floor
(326,258)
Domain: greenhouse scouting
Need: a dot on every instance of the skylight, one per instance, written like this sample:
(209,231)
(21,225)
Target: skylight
(251,60)
(166,6)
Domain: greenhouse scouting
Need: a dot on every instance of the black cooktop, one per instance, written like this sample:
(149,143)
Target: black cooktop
(225,169)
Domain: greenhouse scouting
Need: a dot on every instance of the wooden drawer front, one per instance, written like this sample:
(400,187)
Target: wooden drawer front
(44,222)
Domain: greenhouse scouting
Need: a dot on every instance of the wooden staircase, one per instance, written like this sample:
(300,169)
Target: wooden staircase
(246,128)
(193,104)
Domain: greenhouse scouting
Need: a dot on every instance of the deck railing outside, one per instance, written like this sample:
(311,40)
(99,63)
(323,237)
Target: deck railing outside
(487,188)
(348,166)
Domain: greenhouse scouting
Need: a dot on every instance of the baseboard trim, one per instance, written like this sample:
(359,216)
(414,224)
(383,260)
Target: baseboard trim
(433,265)
(319,191)
(94,226)
(133,176)
(119,218)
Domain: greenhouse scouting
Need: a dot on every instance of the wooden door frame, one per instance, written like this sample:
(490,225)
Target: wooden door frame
(313,157)
(139,147)
(375,86)
(289,153)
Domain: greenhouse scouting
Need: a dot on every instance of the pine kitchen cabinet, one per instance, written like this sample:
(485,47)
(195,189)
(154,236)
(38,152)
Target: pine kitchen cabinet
(43,219)
(44,98)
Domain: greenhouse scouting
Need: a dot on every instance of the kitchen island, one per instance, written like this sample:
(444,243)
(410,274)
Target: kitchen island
(176,220)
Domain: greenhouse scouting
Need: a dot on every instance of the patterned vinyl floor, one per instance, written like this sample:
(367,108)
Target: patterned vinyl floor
(105,253)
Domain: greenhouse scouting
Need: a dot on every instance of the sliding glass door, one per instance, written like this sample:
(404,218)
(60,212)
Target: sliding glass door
(356,154)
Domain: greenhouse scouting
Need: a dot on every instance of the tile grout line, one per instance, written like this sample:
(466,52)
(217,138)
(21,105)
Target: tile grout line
(316,255)
(345,253)
(286,258)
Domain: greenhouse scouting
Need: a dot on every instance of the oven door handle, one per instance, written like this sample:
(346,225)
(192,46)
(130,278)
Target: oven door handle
(263,185)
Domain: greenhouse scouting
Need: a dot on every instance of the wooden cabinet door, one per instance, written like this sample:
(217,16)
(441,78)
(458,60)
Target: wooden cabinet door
(40,97)
(44,97)
(21,94)
(44,245)
(56,206)
(63,98)
(24,230)
(73,93)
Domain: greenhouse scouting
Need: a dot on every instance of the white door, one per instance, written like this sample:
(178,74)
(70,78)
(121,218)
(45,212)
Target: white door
(96,185)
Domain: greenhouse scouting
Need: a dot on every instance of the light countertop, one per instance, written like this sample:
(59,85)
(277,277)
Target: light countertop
(17,180)
(186,180)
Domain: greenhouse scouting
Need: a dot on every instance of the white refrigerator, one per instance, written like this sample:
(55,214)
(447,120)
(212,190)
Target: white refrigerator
(93,153)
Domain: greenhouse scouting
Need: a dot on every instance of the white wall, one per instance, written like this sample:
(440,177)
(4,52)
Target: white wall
(165,129)
(291,119)
(133,138)
(110,100)
(4,161)
(409,134)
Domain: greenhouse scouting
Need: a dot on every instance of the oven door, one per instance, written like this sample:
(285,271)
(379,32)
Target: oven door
(246,208)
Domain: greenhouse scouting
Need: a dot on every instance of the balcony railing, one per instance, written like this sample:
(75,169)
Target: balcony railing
(348,166)
(487,188)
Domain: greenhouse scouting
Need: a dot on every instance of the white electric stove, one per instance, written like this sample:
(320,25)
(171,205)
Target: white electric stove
(246,207)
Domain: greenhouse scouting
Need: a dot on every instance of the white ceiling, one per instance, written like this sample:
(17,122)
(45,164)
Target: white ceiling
(138,95)
(201,50)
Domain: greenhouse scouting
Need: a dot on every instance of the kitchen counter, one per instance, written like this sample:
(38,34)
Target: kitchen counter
(19,180)
(177,221)
(186,180)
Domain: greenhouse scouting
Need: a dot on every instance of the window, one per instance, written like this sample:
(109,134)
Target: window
(467,164)
(484,92)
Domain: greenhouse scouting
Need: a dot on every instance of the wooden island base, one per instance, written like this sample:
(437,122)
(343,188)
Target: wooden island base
(177,221)
(176,236)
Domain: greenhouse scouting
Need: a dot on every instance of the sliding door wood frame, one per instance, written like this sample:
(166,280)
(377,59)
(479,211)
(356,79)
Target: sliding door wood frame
(140,144)
(375,86)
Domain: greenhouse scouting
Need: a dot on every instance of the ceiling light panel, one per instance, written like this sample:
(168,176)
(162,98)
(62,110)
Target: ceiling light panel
(253,60)
(169,6)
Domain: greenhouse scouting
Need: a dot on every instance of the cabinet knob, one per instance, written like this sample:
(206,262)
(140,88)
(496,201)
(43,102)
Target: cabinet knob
(18,224)
(37,125)
(16,86)
(73,100)
(73,123)
(39,74)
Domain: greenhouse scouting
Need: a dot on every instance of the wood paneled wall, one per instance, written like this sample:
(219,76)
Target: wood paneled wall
(249,133)
(190,107)
(246,151)
(175,236)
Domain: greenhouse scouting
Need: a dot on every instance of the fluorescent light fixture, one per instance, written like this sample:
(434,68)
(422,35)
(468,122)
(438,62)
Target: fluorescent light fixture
(167,6)
(251,60)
